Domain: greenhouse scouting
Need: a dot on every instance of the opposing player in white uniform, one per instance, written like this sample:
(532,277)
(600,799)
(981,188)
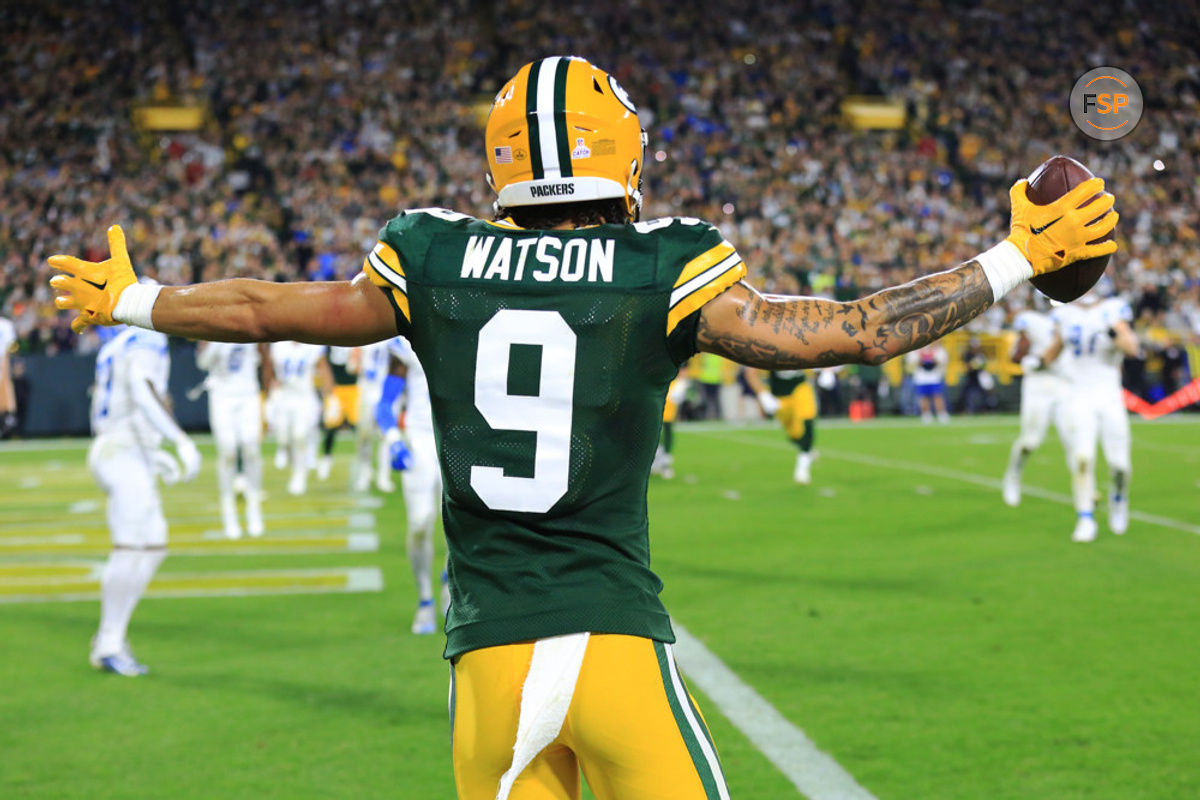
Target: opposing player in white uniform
(1042,389)
(299,368)
(8,395)
(422,479)
(371,453)
(1093,336)
(235,416)
(130,420)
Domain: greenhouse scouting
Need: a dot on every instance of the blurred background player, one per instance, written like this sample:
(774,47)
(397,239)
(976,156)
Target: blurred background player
(789,397)
(664,461)
(420,476)
(1093,336)
(235,416)
(371,456)
(1042,389)
(928,367)
(340,407)
(129,420)
(8,394)
(299,369)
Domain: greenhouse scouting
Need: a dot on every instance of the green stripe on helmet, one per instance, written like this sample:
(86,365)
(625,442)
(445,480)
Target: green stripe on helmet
(535,148)
(561,137)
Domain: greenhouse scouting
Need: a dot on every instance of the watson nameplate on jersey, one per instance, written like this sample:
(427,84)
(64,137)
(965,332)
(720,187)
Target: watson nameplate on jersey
(548,258)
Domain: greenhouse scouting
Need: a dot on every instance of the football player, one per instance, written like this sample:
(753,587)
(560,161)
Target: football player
(549,336)
(371,453)
(789,397)
(340,407)
(664,459)
(235,416)
(421,477)
(1093,335)
(1042,388)
(303,378)
(928,367)
(130,420)
(8,395)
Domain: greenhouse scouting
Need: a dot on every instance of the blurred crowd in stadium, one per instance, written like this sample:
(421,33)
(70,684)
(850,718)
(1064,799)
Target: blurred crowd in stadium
(320,120)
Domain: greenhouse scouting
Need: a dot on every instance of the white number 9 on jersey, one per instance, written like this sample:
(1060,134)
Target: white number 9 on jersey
(547,413)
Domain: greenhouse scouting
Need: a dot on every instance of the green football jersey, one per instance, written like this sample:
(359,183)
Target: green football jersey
(783,382)
(548,355)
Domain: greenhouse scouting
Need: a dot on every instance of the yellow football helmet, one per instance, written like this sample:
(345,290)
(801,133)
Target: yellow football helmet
(563,130)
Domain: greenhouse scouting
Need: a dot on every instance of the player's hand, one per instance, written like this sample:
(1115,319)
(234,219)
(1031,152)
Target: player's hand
(1031,363)
(1065,231)
(769,403)
(166,467)
(398,452)
(92,288)
(189,456)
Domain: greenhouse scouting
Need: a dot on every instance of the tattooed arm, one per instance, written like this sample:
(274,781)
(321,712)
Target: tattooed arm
(775,332)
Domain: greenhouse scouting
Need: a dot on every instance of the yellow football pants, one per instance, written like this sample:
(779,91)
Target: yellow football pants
(347,395)
(631,727)
(797,408)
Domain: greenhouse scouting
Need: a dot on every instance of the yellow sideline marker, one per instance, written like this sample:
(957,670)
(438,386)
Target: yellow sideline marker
(56,543)
(60,587)
(318,523)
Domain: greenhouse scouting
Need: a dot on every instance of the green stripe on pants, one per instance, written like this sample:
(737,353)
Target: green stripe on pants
(685,727)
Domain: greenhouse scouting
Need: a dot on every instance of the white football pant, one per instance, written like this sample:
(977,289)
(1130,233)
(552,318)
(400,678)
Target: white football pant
(422,486)
(1087,417)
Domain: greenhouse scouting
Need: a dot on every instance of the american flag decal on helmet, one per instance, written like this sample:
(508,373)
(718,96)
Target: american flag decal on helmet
(503,155)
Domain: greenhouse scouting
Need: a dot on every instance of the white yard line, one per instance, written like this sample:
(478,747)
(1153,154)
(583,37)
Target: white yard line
(976,479)
(815,774)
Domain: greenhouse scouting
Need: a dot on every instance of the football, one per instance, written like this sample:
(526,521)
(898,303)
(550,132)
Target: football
(1054,178)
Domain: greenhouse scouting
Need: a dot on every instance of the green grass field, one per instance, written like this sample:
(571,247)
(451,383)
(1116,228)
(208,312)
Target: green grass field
(934,642)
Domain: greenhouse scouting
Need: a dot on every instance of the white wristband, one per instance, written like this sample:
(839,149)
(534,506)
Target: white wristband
(1005,268)
(136,304)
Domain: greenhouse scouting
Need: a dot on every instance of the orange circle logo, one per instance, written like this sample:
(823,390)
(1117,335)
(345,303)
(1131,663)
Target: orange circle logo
(1106,103)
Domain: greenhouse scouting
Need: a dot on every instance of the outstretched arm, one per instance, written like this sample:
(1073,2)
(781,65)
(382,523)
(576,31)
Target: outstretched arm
(337,312)
(800,332)
(241,310)
(794,332)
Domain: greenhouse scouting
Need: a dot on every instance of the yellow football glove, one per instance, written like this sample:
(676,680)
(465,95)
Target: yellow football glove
(92,288)
(1060,233)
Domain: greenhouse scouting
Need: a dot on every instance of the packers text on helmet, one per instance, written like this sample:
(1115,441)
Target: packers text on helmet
(563,131)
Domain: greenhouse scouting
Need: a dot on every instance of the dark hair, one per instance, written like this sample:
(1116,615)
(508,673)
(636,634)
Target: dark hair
(588,212)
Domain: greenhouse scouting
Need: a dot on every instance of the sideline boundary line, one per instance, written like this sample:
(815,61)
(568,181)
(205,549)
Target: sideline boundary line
(814,773)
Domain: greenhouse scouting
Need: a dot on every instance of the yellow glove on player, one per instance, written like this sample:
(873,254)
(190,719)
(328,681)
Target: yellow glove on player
(1060,233)
(92,288)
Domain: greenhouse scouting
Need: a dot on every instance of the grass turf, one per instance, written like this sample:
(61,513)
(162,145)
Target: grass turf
(935,642)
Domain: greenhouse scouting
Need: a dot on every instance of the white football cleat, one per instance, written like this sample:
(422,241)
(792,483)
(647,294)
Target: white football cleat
(121,662)
(384,483)
(324,467)
(1010,488)
(1085,529)
(667,467)
(1118,514)
(297,485)
(254,517)
(424,621)
(803,472)
(281,457)
(229,519)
